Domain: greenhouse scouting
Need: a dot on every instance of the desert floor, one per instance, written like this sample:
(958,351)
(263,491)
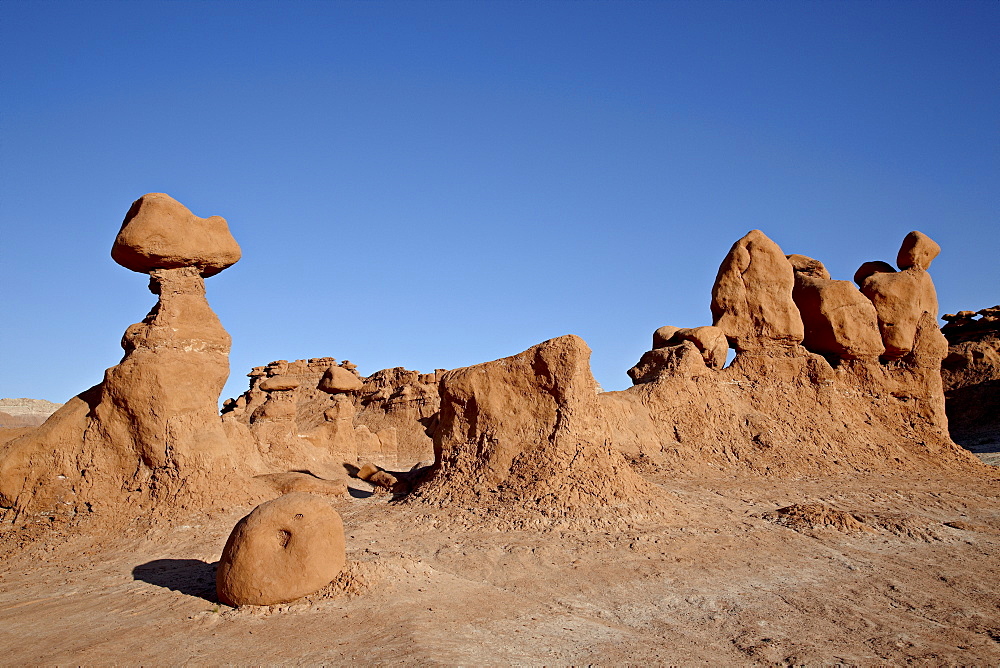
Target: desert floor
(717,577)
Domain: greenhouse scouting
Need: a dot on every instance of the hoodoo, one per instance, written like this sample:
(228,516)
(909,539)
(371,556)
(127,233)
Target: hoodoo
(151,430)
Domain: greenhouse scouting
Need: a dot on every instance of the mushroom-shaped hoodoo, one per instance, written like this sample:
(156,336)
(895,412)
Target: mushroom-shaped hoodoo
(161,233)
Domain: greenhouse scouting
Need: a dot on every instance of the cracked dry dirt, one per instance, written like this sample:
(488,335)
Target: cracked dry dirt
(721,578)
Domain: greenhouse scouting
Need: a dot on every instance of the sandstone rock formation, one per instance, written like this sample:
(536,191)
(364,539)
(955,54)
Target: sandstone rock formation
(151,430)
(917,252)
(161,233)
(524,431)
(971,377)
(283,550)
(901,298)
(839,321)
(669,351)
(752,296)
(532,431)
(337,379)
(830,403)
(337,414)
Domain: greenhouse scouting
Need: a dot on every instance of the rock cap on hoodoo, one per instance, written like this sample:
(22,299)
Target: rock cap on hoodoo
(918,250)
(338,379)
(279,384)
(161,233)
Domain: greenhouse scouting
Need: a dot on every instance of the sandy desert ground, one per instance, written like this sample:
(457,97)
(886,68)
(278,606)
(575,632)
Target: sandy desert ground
(869,571)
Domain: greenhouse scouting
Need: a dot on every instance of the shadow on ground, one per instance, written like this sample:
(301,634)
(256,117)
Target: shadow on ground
(187,576)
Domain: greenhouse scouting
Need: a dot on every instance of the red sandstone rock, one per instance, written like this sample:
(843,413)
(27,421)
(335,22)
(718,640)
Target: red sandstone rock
(875,267)
(279,383)
(339,379)
(152,426)
(838,319)
(283,550)
(664,336)
(918,251)
(752,296)
(900,299)
(525,430)
(161,233)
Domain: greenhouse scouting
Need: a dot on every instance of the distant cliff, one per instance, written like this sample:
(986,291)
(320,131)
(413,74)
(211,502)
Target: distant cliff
(25,412)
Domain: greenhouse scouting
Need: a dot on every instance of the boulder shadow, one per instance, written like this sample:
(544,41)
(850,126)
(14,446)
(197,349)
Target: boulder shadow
(193,577)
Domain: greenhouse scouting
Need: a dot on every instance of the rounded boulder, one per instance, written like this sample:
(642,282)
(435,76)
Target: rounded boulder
(283,550)
(161,233)
(338,379)
(278,384)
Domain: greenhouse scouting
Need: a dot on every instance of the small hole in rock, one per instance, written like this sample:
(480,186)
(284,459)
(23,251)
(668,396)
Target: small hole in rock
(299,516)
(283,537)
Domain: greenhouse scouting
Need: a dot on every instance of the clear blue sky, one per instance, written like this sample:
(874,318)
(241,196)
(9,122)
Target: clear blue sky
(436,184)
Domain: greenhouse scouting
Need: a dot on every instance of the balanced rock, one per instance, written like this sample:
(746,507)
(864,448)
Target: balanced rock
(664,336)
(279,383)
(874,267)
(151,431)
(838,319)
(161,233)
(918,250)
(901,298)
(338,379)
(283,550)
(752,296)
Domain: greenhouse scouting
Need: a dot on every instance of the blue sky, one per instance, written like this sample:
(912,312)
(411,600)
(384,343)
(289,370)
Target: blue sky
(436,184)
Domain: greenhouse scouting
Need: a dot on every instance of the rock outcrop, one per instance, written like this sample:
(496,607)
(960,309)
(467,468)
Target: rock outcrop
(532,431)
(283,550)
(901,298)
(971,377)
(524,432)
(839,321)
(830,403)
(336,415)
(151,430)
(752,296)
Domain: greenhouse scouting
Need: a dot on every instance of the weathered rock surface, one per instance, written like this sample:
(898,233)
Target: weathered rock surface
(917,252)
(150,431)
(670,353)
(781,408)
(752,296)
(338,379)
(283,550)
(971,378)
(901,298)
(161,233)
(839,321)
(335,415)
(524,431)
